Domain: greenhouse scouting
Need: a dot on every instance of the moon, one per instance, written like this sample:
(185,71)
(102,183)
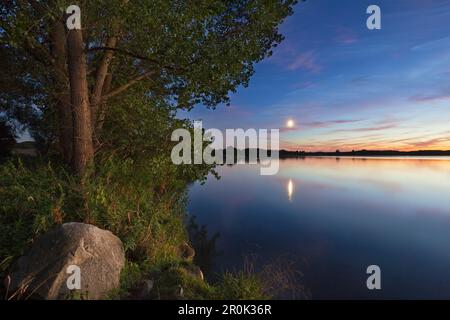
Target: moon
(290,123)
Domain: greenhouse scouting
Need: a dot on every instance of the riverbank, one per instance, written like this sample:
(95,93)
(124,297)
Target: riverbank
(144,207)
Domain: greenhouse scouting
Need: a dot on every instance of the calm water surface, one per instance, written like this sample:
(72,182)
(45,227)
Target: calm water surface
(334,217)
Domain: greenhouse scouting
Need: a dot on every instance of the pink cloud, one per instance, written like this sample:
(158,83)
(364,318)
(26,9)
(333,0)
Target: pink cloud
(374,128)
(306,60)
(431,142)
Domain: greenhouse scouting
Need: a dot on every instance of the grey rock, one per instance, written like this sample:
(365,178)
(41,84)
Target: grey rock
(42,272)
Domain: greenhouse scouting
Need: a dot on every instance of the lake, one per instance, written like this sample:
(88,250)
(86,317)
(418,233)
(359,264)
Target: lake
(333,217)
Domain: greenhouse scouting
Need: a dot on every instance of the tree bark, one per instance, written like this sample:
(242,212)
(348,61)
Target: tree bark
(83,150)
(58,42)
(100,77)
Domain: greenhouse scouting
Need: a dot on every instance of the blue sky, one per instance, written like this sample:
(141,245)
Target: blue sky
(347,87)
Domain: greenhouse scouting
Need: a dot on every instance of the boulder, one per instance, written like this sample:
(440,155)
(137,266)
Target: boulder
(48,269)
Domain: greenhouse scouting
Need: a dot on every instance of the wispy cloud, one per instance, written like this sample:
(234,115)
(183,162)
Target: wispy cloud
(305,60)
(366,129)
(430,98)
(436,142)
(328,123)
(319,124)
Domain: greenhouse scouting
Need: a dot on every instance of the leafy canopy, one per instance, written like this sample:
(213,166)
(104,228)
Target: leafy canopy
(192,52)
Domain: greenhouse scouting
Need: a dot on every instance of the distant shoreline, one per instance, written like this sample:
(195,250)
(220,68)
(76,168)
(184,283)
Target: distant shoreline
(283,154)
(365,153)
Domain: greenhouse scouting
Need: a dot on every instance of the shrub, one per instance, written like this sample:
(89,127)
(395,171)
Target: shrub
(32,200)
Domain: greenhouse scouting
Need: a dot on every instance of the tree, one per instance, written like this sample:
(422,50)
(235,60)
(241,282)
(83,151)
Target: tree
(182,53)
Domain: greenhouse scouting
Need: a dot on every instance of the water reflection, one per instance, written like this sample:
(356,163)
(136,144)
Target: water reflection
(354,212)
(290,189)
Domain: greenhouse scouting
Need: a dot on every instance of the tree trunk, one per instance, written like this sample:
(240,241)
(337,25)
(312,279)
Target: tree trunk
(58,40)
(83,150)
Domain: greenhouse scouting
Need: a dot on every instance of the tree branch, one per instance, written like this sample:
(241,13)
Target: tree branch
(126,85)
(140,57)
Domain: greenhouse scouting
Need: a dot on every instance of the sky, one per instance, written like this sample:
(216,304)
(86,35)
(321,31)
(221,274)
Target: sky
(347,87)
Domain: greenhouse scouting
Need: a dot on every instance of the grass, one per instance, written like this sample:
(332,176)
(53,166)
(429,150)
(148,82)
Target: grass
(142,203)
(178,280)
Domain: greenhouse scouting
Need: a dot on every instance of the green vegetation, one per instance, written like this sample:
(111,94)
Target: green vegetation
(36,197)
(101,104)
(63,84)
(177,280)
(134,191)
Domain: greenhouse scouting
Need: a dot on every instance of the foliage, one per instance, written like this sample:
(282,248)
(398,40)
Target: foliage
(121,198)
(176,280)
(135,191)
(194,52)
(33,199)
